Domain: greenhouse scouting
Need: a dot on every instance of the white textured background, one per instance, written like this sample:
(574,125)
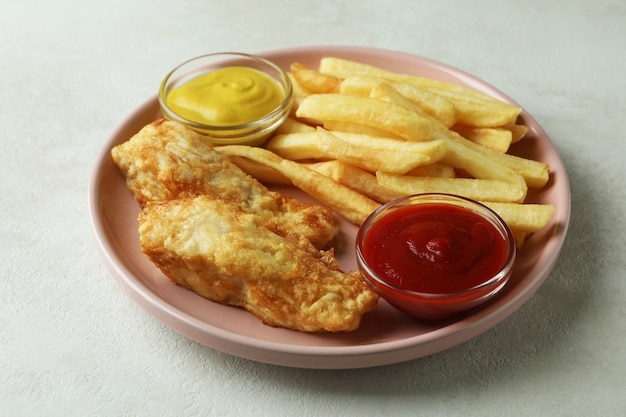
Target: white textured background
(72,343)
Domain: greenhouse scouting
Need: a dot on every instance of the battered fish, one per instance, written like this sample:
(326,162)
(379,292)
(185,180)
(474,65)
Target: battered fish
(228,255)
(166,161)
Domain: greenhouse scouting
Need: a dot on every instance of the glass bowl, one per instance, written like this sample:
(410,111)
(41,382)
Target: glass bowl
(252,132)
(435,256)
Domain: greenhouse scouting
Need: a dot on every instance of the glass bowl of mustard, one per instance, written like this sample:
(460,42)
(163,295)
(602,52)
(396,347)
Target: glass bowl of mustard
(435,256)
(231,98)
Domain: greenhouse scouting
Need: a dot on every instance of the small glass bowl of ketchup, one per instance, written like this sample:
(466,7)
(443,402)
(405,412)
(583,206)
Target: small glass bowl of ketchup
(231,98)
(435,256)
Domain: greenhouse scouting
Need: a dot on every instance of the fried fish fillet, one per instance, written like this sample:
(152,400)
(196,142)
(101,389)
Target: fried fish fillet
(228,255)
(166,160)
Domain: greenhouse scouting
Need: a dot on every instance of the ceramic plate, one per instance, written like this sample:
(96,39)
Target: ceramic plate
(386,335)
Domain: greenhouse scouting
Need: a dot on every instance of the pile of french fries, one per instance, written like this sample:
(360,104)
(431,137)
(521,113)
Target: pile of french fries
(360,136)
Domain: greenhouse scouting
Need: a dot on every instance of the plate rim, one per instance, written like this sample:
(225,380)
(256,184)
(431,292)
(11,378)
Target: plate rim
(332,357)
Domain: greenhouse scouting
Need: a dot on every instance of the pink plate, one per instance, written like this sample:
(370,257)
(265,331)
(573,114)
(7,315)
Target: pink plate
(386,336)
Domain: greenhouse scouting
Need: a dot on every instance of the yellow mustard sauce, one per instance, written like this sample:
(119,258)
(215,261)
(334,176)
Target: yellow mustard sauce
(227,96)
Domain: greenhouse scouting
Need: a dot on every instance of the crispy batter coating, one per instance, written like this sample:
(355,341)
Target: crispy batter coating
(213,229)
(228,255)
(166,161)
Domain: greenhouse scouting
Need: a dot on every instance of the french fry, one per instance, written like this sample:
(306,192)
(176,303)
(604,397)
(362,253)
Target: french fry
(517,131)
(434,149)
(350,127)
(526,218)
(459,154)
(352,205)
(366,126)
(384,91)
(433,170)
(473,108)
(358,85)
(479,165)
(436,105)
(299,94)
(367,111)
(344,68)
(372,156)
(358,179)
(475,189)
(472,111)
(367,152)
(520,237)
(535,173)
(291,125)
(478,160)
(496,138)
(261,172)
(314,81)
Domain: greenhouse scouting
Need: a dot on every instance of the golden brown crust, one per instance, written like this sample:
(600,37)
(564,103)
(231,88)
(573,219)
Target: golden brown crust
(227,255)
(213,229)
(166,161)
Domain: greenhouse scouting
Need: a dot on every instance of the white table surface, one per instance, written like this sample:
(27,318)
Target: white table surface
(72,343)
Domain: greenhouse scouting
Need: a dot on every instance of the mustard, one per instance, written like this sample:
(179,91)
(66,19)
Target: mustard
(227,96)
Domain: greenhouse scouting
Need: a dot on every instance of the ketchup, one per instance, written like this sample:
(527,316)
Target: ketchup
(435,248)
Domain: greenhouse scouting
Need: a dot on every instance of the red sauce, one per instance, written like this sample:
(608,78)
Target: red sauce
(435,248)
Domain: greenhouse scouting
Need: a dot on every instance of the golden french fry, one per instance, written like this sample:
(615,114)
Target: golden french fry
(326,168)
(350,127)
(460,154)
(352,205)
(344,68)
(465,154)
(433,170)
(517,131)
(436,105)
(526,218)
(367,111)
(299,94)
(473,111)
(478,160)
(519,236)
(535,173)
(476,189)
(314,81)
(434,149)
(261,172)
(364,101)
(291,125)
(496,138)
(368,152)
(473,107)
(385,92)
(372,154)
(356,178)
(358,85)
(479,165)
